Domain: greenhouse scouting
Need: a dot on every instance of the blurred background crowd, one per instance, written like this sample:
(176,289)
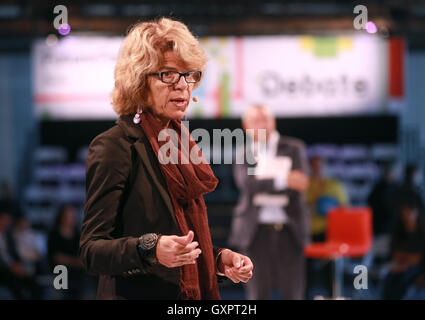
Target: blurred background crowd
(354,96)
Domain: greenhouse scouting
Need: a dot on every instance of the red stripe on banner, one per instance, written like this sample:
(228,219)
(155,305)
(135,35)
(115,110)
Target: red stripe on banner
(239,67)
(396,66)
(217,93)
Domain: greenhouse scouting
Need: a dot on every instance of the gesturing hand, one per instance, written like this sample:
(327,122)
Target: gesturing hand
(175,251)
(237,267)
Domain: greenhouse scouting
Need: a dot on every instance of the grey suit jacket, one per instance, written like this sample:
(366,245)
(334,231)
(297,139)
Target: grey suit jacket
(245,216)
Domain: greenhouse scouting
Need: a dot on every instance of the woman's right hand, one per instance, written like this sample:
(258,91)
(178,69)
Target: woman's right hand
(174,251)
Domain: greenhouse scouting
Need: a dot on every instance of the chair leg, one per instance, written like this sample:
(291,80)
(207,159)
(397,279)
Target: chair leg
(338,277)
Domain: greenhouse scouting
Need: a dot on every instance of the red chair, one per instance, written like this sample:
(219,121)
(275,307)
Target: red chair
(348,234)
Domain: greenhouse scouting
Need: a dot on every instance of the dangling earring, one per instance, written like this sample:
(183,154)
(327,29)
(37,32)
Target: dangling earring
(136,118)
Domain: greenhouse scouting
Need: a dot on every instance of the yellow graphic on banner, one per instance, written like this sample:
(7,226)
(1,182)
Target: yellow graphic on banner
(325,46)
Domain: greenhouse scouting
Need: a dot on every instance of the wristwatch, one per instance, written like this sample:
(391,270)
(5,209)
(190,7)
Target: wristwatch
(147,247)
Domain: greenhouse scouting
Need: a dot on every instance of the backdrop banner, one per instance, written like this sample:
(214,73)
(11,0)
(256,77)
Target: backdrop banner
(294,75)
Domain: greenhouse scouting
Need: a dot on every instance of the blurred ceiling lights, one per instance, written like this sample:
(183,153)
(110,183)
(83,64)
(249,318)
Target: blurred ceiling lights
(29,19)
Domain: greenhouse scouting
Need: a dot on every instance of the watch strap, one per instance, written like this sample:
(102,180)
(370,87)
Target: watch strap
(147,247)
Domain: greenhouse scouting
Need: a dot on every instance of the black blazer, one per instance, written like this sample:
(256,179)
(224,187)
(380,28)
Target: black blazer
(126,197)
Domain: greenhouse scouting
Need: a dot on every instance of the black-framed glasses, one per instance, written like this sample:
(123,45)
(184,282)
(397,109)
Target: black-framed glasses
(172,77)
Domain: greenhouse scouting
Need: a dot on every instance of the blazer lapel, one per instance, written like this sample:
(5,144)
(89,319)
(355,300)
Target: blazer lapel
(143,153)
(135,131)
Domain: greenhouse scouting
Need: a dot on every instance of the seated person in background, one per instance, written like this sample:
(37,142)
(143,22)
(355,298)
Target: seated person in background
(323,194)
(407,251)
(63,243)
(13,274)
(7,202)
(380,201)
(409,190)
(30,245)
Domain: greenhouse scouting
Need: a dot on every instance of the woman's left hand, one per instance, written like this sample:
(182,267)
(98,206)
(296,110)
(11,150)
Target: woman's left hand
(237,267)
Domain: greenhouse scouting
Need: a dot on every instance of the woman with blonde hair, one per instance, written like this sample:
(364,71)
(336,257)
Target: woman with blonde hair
(145,230)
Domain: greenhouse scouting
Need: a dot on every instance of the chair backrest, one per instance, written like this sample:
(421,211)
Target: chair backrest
(350,225)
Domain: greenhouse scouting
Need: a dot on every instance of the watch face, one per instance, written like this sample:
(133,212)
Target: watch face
(148,241)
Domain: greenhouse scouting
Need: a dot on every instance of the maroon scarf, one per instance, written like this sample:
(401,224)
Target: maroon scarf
(186,183)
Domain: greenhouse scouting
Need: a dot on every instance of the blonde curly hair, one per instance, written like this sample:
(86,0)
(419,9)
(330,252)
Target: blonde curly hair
(143,51)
